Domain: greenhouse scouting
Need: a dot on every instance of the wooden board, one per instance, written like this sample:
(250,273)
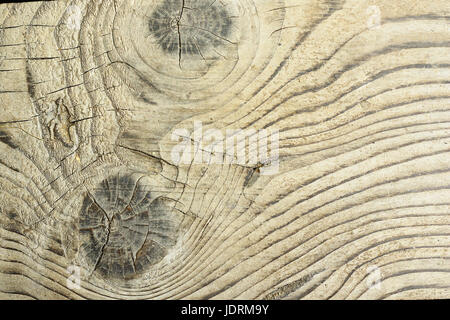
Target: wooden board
(227,149)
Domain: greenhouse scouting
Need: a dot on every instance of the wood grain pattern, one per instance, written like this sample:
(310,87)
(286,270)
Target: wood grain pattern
(91,93)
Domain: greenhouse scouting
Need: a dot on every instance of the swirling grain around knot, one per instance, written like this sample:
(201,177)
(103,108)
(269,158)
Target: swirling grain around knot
(359,208)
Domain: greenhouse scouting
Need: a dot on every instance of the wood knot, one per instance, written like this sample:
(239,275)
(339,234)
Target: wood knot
(190,29)
(124,229)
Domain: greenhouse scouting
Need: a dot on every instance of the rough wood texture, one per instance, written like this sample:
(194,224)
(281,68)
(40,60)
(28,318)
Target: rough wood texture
(91,93)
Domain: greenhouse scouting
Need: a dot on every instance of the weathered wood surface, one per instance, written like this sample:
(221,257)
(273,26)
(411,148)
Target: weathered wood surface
(92,91)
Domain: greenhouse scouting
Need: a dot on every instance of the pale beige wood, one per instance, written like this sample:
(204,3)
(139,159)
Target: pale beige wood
(91,93)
